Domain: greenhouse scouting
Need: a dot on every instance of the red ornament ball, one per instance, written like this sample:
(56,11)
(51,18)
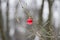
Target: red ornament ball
(29,21)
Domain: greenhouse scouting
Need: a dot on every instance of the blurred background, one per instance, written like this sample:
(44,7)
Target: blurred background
(44,16)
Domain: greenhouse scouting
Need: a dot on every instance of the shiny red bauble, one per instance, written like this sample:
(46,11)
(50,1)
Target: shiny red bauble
(29,21)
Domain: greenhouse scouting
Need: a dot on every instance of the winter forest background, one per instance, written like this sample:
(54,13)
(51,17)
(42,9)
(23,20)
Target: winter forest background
(45,15)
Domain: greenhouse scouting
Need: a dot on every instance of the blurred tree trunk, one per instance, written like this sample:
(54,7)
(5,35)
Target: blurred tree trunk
(1,25)
(4,36)
(50,2)
(47,26)
(8,38)
(41,13)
